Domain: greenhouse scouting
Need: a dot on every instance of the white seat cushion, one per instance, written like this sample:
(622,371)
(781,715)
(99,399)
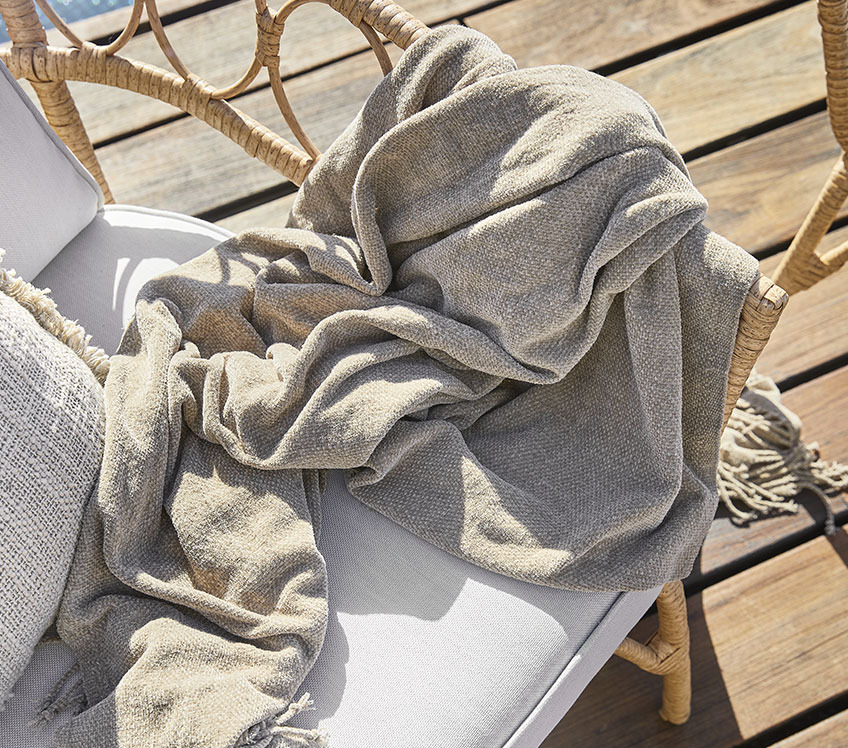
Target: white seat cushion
(434,651)
(426,648)
(96,277)
(46,195)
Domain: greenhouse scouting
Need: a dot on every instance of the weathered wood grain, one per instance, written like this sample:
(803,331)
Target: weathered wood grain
(832,733)
(767,644)
(724,84)
(824,405)
(814,327)
(760,189)
(702,92)
(218,45)
(592,34)
(273,213)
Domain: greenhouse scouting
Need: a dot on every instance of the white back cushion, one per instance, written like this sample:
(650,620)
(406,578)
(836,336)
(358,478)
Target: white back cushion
(46,195)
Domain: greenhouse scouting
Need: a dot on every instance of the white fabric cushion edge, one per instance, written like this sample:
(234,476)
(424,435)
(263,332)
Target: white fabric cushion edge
(600,645)
(125,208)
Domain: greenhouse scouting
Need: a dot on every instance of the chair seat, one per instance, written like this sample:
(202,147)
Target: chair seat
(425,648)
(422,647)
(96,277)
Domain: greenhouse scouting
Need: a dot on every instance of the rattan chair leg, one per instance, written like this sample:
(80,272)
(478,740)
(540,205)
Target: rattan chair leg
(667,654)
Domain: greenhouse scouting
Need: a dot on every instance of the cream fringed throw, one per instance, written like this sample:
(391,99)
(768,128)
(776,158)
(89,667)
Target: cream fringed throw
(495,305)
(764,464)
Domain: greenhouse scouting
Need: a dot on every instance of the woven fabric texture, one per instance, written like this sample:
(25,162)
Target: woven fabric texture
(494,306)
(51,411)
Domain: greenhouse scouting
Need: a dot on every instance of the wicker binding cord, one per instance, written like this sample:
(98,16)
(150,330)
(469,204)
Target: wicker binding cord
(802,267)
(667,652)
(47,68)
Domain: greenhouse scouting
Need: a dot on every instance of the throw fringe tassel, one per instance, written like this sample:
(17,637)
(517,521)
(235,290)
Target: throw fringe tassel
(275,733)
(43,308)
(57,702)
(764,464)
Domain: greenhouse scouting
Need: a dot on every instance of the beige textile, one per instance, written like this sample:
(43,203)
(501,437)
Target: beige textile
(495,305)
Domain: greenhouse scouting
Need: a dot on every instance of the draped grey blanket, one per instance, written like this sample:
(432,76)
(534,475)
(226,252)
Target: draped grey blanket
(495,305)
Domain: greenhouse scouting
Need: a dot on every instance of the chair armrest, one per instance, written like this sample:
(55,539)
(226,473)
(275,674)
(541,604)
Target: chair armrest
(762,308)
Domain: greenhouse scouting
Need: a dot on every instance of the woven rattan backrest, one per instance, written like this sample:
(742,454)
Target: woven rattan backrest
(47,68)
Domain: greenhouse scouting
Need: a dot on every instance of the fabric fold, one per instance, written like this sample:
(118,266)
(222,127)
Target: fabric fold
(494,305)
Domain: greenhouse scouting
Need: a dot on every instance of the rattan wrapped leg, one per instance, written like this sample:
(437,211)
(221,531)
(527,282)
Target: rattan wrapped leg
(667,654)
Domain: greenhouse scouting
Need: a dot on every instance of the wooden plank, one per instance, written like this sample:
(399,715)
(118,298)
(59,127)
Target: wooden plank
(831,733)
(273,213)
(592,34)
(760,190)
(767,644)
(823,403)
(218,45)
(811,331)
(729,82)
(721,75)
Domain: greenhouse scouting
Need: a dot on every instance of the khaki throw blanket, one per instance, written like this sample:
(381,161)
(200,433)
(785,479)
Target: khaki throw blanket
(494,305)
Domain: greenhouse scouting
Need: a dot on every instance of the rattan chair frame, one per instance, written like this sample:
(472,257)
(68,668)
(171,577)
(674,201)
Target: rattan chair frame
(802,266)
(48,68)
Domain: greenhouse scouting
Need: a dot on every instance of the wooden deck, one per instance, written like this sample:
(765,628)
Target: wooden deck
(739,85)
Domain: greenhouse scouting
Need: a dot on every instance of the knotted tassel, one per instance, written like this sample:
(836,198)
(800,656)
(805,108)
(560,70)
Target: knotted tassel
(763,463)
(275,733)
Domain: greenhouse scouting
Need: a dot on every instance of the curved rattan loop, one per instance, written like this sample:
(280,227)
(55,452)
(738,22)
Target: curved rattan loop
(57,21)
(378,48)
(48,67)
(31,58)
(241,84)
(162,39)
(129,29)
(269,31)
(191,95)
(288,113)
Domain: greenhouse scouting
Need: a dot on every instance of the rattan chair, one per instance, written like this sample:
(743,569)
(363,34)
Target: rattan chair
(48,67)
(802,266)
